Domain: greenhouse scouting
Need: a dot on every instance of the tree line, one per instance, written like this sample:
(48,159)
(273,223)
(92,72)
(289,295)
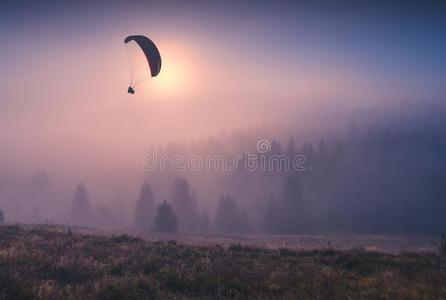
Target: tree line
(370,178)
(180,212)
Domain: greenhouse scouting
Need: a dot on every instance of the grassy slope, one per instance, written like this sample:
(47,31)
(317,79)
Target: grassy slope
(47,263)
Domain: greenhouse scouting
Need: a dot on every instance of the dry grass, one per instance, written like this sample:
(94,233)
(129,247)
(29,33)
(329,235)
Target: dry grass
(50,263)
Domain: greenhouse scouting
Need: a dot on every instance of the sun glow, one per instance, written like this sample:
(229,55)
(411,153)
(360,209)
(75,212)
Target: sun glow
(176,76)
(172,78)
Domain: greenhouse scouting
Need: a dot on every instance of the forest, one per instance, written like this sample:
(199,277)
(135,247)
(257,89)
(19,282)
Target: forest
(383,172)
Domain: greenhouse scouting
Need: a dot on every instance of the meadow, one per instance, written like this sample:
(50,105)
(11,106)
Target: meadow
(50,262)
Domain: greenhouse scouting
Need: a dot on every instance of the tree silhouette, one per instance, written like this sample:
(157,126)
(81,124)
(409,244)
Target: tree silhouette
(227,215)
(80,208)
(321,147)
(292,215)
(276,148)
(291,149)
(38,190)
(144,208)
(271,216)
(185,203)
(2,217)
(165,219)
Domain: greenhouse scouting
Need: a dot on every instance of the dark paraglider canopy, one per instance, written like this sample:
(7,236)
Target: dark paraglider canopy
(150,51)
(144,60)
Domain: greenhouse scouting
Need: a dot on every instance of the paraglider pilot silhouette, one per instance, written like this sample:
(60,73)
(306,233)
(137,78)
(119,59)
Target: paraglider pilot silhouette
(142,52)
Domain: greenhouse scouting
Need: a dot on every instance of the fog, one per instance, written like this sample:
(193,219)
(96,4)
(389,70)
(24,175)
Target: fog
(232,75)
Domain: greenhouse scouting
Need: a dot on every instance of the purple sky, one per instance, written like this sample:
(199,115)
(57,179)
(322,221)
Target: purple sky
(226,65)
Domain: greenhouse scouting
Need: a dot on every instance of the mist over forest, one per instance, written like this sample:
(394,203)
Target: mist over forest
(379,170)
(353,91)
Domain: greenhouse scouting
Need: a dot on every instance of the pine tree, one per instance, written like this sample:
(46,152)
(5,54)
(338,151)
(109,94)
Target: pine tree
(185,204)
(291,148)
(321,147)
(38,190)
(165,220)
(227,218)
(80,209)
(271,216)
(276,148)
(144,208)
(292,215)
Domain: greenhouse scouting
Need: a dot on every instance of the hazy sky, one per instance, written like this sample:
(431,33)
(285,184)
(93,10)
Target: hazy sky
(226,65)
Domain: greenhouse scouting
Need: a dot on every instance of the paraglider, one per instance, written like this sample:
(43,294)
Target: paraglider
(144,60)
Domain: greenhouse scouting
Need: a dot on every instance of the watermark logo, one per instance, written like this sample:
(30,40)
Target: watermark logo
(263,160)
(263,146)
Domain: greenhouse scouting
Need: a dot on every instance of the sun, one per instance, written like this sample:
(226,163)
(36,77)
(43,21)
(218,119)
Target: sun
(171,79)
(176,76)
